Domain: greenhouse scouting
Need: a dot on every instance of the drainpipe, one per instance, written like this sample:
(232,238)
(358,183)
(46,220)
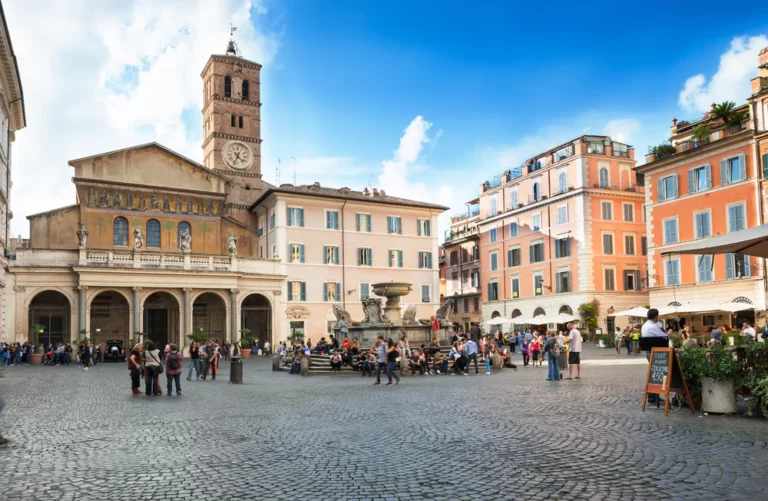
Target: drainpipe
(343,264)
(549,228)
(504,268)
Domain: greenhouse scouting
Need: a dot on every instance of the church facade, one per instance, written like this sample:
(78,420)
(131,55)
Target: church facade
(158,245)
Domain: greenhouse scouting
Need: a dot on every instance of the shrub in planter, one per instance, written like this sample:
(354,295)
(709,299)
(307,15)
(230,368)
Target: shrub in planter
(607,340)
(721,376)
(677,340)
(693,363)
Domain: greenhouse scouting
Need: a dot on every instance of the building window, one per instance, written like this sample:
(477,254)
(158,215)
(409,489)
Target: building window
(425,260)
(183,227)
(629,212)
(120,231)
(736,266)
(562,247)
(272,219)
(465,278)
(454,284)
(396,258)
(708,320)
(476,304)
(537,252)
(227,86)
(632,280)
(296,253)
(153,233)
(295,216)
(670,231)
(331,253)
(668,187)
(562,214)
(620,150)
(596,147)
(609,279)
(332,291)
(704,268)
(331,220)
(493,291)
(536,191)
(736,218)
(563,153)
(475,279)
(297,291)
(466,305)
(424,227)
(604,179)
(629,245)
(513,257)
(493,206)
(536,222)
(494,261)
(513,229)
(394,225)
(453,258)
(733,170)
(699,179)
(607,243)
(703,224)
(364,256)
(240,122)
(475,253)
(274,250)
(515,287)
(673,271)
(538,285)
(245,90)
(644,246)
(513,199)
(492,235)
(606,211)
(563,279)
(562,182)
(365,291)
(364,222)
(425,294)
(232,120)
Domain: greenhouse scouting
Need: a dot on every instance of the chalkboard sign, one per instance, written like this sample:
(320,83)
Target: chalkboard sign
(665,376)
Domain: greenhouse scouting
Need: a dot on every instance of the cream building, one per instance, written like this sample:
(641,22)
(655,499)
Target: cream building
(12,118)
(158,244)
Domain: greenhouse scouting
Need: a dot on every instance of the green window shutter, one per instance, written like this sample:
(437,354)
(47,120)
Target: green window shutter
(336,256)
(692,181)
(325,254)
(729,266)
(399,259)
(325,291)
(357,222)
(359,257)
(290,217)
(765,165)
(724,179)
(301,217)
(338,291)
(368,223)
(301,252)
(369,260)
(289,290)
(303,291)
(661,194)
(418,227)
(428,227)
(389,224)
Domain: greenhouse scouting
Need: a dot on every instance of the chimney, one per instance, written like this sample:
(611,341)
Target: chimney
(366,192)
(375,192)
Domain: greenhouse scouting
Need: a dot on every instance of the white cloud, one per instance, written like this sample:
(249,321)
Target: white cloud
(737,67)
(105,75)
(622,130)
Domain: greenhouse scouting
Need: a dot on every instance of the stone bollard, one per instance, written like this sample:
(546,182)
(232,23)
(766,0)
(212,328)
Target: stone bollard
(304,367)
(404,369)
(497,362)
(275,362)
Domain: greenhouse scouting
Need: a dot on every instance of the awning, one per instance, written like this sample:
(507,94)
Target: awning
(561,318)
(752,241)
(498,321)
(634,312)
(702,307)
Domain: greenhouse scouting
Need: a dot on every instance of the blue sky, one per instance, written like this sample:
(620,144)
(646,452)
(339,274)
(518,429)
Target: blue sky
(427,99)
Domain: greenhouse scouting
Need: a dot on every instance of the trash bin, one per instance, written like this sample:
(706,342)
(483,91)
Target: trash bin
(236,370)
(562,360)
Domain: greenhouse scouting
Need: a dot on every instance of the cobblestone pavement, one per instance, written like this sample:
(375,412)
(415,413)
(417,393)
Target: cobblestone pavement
(513,435)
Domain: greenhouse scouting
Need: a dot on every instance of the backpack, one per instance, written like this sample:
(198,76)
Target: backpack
(174,361)
(555,349)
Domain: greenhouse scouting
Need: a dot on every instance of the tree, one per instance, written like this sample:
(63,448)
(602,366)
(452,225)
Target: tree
(588,313)
(198,335)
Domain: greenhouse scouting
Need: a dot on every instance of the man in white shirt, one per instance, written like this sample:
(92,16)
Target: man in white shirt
(574,353)
(748,331)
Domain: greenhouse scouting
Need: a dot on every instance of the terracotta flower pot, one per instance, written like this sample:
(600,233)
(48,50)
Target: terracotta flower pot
(246,352)
(37,359)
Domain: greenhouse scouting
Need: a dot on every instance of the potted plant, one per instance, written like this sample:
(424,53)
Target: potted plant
(246,343)
(701,134)
(198,335)
(720,378)
(37,358)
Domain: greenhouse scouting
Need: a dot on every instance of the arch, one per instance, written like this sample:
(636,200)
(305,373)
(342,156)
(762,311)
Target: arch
(245,90)
(539,311)
(516,313)
(120,231)
(562,182)
(209,313)
(153,233)
(495,314)
(536,191)
(742,299)
(183,226)
(256,315)
(161,317)
(197,293)
(605,180)
(110,314)
(565,309)
(49,311)
(227,86)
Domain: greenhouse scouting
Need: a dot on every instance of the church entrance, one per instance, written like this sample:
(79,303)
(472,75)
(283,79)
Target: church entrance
(161,319)
(110,316)
(209,313)
(256,315)
(49,318)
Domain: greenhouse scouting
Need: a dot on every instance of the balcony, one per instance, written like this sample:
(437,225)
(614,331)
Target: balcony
(461,234)
(156,260)
(632,188)
(667,150)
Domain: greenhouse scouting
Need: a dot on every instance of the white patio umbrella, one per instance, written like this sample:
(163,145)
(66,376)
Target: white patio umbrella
(633,312)
(498,321)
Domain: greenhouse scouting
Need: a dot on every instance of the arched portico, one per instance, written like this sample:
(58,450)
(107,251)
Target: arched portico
(256,315)
(209,313)
(109,316)
(161,318)
(49,318)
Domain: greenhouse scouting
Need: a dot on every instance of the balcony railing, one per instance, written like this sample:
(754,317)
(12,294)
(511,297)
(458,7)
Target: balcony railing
(449,235)
(626,187)
(715,135)
(156,260)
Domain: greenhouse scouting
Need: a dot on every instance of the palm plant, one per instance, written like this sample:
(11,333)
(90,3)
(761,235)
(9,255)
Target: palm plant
(726,112)
(701,133)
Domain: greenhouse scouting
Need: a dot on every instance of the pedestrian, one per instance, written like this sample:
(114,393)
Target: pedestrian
(404,346)
(617,341)
(227,349)
(381,353)
(152,368)
(392,355)
(535,347)
(435,325)
(525,349)
(86,356)
(343,326)
(194,360)
(470,349)
(204,349)
(173,361)
(552,349)
(574,354)
(134,366)
(490,349)
(213,360)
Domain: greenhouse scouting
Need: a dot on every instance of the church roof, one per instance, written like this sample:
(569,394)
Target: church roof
(315,190)
(156,146)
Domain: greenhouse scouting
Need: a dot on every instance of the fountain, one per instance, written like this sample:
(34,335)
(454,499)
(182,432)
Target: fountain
(389,320)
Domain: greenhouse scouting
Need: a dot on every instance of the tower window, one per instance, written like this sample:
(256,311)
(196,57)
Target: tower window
(241,122)
(120,231)
(227,86)
(232,119)
(245,90)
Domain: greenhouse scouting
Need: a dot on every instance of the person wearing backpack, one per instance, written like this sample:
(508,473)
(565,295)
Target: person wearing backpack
(552,349)
(173,369)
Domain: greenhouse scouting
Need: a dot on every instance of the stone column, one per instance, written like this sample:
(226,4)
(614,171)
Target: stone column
(185,325)
(137,327)
(81,309)
(233,310)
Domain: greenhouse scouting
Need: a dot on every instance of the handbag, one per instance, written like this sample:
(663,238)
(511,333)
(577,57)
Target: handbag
(159,369)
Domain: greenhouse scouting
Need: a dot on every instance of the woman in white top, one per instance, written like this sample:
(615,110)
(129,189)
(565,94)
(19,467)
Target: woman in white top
(151,357)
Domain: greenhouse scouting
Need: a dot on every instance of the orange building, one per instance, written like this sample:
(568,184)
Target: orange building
(462,267)
(706,182)
(563,229)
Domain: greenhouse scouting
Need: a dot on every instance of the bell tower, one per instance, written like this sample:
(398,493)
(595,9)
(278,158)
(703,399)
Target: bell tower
(232,125)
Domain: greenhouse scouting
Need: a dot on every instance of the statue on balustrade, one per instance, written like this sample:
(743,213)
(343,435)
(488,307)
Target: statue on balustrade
(185,243)
(82,236)
(232,244)
(138,238)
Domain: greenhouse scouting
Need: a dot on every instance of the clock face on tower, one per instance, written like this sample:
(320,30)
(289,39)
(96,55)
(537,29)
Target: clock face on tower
(237,155)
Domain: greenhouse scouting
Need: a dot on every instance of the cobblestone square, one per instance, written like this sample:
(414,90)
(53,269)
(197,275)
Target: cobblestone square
(81,435)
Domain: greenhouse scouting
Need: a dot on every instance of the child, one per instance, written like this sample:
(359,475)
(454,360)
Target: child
(526,346)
